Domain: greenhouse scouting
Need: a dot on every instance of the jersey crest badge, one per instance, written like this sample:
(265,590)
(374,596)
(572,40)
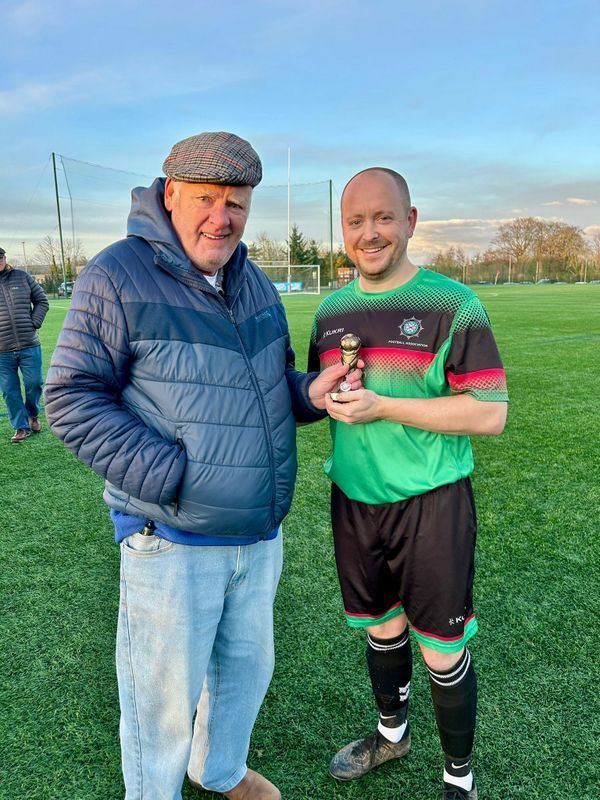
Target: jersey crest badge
(410,328)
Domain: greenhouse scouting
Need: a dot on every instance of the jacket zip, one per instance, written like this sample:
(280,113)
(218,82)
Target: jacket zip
(263,412)
(259,397)
(11,314)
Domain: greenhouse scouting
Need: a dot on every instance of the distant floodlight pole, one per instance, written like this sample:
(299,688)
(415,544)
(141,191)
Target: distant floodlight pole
(24,257)
(331,230)
(62,248)
(289,210)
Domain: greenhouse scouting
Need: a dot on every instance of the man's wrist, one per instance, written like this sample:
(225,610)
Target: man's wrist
(313,401)
(388,408)
(312,392)
(382,410)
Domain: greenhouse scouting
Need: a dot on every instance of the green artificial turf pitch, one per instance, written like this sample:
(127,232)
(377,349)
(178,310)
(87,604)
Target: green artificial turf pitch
(537,590)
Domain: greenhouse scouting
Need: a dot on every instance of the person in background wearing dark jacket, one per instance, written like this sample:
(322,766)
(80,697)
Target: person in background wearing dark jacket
(23,306)
(174,379)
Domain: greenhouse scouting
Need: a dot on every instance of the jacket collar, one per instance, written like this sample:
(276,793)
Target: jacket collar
(150,221)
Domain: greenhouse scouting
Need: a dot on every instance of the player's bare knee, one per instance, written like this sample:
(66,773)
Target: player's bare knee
(440,662)
(390,629)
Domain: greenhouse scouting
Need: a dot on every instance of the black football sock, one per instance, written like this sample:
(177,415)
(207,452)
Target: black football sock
(454,695)
(390,670)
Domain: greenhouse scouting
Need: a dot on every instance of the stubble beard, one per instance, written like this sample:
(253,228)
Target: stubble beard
(392,265)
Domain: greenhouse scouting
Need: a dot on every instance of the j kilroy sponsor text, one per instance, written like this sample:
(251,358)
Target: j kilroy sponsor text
(332,333)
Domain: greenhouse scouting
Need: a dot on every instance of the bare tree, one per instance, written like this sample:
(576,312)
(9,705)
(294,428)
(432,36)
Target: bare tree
(595,248)
(266,249)
(516,239)
(48,254)
(541,232)
(452,262)
(567,244)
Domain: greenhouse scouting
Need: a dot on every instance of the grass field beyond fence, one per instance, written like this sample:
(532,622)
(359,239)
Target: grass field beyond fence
(537,597)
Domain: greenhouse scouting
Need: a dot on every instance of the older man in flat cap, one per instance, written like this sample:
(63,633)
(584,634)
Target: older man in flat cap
(174,379)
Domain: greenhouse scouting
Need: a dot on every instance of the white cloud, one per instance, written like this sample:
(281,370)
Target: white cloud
(110,86)
(592,230)
(37,96)
(579,201)
(478,224)
(573,201)
(470,234)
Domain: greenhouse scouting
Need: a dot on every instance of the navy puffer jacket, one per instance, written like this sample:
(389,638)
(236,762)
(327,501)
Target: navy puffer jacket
(23,306)
(185,400)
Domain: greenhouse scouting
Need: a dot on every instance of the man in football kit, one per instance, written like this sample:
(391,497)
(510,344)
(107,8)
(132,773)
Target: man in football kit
(403,516)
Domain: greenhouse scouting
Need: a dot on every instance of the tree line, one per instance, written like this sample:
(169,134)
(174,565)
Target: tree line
(523,249)
(527,249)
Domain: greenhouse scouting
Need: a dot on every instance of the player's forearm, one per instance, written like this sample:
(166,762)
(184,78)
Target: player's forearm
(459,415)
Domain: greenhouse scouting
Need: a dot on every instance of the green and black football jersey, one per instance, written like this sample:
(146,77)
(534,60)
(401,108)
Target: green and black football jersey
(429,338)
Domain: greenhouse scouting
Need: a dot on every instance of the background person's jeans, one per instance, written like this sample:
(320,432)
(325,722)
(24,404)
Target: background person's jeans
(29,361)
(195,632)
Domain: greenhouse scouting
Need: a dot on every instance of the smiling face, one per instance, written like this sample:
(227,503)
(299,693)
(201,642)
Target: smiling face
(377,222)
(209,220)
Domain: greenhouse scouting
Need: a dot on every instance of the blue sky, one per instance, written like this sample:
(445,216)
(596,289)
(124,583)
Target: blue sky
(490,109)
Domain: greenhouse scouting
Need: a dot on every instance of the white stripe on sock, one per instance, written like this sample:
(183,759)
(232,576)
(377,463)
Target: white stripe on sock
(465,656)
(383,647)
(461,671)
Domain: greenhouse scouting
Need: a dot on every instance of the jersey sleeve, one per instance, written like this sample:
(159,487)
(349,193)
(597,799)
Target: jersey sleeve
(473,364)
(314,362)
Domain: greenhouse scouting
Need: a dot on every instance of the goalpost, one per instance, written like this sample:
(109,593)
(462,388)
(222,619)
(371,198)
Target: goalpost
(293,278)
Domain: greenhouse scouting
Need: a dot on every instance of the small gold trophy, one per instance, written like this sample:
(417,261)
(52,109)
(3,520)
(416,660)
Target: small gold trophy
(350,345)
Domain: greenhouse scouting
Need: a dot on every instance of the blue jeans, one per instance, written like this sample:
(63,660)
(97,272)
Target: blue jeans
(29,361)
(195,636)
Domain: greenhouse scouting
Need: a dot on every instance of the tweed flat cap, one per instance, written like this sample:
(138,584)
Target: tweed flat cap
(2,251)
(217,157)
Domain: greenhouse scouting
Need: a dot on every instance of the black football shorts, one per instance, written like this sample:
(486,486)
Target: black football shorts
(415,556)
